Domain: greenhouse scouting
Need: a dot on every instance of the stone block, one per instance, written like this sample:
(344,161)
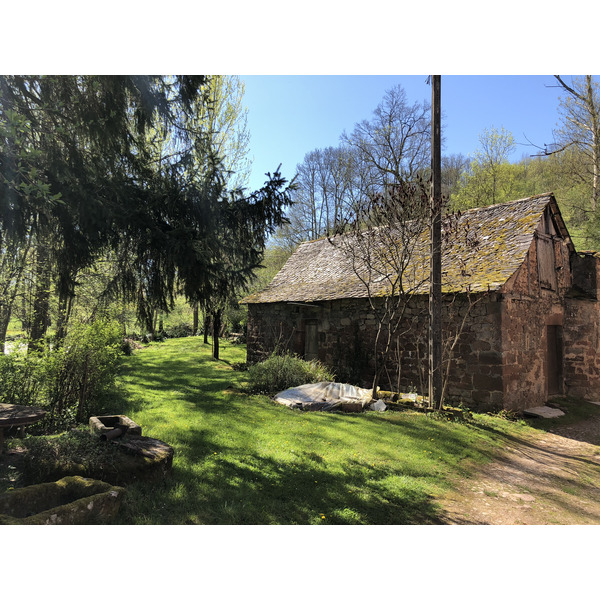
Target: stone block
(68,501)
(479,397)
(111,426)
(479,345)
(487,382)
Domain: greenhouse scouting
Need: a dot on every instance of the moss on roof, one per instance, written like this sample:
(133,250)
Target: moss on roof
(319,270)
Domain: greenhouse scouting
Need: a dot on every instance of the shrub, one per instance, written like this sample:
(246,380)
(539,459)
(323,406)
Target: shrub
(178,331)
(280,372)
(128,345)
(20,378)
(69,381)
(80,371)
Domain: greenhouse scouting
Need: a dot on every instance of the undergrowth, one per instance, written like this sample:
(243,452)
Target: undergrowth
(77,452)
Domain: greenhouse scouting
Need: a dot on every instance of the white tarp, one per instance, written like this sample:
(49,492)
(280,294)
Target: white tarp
(325,396)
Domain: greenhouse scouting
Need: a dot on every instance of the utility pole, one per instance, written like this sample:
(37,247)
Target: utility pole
(435,277)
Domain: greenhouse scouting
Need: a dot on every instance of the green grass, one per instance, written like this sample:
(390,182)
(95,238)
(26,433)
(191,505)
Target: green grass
(242,459)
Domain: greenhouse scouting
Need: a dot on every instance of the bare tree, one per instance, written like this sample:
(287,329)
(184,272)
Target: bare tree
(387,245)
(321,196)
(580,117)
(453,167)
(394,146)
(384,241)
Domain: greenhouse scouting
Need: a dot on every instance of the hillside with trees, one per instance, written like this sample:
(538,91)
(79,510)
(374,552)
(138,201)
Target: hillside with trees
(393,146)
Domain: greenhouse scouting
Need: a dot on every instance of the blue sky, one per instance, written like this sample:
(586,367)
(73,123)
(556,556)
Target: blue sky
(289,116)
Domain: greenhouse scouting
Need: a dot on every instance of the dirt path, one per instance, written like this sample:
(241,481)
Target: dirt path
(554,479)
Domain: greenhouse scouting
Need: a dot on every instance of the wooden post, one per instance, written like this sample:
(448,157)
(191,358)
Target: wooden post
(435,279)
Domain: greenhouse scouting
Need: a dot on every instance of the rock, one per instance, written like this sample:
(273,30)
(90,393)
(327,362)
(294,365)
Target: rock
(379,406)
(142,458)
(126,459)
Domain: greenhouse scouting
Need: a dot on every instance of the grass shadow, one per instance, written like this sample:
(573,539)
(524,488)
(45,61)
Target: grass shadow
(254,489)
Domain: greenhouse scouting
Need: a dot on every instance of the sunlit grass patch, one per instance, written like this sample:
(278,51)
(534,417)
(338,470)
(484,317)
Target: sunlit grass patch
(242,459)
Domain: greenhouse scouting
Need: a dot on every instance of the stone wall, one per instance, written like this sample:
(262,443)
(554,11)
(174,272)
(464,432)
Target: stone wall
(346,342)
(529,309)
(525,324)
(539,337)
(582,332)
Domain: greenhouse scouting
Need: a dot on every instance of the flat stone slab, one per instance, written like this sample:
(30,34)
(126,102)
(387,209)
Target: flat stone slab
(543,411)
(15,414)
(592,402)
(150,448)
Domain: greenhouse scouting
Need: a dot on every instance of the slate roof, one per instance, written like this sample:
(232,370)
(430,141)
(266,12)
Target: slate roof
(319,271)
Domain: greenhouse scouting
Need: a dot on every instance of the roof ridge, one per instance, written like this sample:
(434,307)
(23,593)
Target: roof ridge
(510,202)
(489,207)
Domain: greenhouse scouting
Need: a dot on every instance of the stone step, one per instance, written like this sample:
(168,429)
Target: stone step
(543,411)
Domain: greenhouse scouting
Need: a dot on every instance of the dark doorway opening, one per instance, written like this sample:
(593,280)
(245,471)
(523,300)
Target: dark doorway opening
(554,359)
(311,340)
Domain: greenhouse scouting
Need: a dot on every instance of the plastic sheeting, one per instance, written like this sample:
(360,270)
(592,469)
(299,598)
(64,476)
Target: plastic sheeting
(326,396)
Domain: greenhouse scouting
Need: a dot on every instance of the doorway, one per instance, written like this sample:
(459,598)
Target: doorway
(311,340)
(554,359)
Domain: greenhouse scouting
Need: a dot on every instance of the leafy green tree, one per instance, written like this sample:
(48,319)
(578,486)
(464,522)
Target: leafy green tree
(76,162)
(490,178)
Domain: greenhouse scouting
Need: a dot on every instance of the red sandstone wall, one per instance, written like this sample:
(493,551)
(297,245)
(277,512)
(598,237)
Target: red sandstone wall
(347,330)
(501,358)
(582,338)
(582,356)
(528,308)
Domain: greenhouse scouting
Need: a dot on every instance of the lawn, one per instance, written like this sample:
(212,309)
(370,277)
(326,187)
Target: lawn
(242,459)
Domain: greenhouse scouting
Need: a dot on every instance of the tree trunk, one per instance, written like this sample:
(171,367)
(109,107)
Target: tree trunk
(195,316)
(206,326)
(216,319)
(4,320)
(13,265)
(41,303)
(65,304)
(595,140)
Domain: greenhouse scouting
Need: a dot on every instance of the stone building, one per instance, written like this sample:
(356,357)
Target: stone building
(520,309)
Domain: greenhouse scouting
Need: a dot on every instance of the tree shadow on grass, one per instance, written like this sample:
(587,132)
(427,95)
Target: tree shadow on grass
(259,490)
(215,485)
